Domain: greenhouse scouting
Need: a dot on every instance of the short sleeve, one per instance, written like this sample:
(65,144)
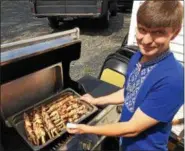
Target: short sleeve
(164,100)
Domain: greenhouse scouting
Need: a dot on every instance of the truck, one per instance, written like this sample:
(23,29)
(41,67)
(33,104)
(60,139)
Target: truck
(125,4)
(57,11)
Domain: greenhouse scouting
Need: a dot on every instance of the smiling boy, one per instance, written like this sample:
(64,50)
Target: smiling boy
(153,91)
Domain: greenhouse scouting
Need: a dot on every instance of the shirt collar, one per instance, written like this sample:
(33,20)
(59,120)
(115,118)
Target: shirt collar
(156,60)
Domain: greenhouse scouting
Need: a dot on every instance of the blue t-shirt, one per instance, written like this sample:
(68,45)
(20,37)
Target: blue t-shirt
(156,87)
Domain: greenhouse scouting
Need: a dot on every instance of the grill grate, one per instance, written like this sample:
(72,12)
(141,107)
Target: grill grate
(60,143)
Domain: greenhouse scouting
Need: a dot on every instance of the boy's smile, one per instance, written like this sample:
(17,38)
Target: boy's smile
(153,41)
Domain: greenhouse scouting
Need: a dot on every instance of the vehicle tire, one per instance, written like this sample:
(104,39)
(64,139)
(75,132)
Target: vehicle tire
(113,9)
(114,13)
(104,20)
(53,22)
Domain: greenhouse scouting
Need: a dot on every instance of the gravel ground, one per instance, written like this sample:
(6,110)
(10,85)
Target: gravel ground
(18,23)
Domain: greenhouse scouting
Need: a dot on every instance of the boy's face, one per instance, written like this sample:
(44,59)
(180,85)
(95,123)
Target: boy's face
(153,41)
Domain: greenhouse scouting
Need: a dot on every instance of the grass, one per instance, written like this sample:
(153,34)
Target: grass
(88,70)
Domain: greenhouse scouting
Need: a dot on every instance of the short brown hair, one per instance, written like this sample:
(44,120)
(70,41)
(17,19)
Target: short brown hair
(160,13)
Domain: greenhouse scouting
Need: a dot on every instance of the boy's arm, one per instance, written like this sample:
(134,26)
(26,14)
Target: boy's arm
(138,123)
(114,98)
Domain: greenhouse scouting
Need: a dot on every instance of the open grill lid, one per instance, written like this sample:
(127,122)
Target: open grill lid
(32,70)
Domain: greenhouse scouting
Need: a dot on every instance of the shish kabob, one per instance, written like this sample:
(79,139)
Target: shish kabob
(59,115)
(69,110)
(49,126)
(53,118)
(58,103)
(72,110)
(38,127)
(29,130)
(34,128)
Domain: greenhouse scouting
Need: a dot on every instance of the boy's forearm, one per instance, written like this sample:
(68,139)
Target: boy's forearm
(114,98)
(123,129)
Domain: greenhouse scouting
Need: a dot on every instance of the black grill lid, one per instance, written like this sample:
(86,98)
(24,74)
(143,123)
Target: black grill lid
(34,71)
(28,90)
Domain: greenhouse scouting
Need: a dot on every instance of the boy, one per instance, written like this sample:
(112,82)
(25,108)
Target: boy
(153,91)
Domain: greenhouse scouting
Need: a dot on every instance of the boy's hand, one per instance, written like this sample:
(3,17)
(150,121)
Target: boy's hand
(88,98)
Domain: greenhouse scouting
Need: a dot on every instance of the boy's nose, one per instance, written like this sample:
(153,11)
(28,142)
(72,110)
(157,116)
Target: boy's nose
(147,39)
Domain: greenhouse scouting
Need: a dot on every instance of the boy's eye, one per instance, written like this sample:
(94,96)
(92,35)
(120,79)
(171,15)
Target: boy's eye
(142,30)
(158,33)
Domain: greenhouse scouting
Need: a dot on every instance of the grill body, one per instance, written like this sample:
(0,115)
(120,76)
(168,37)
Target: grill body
(37,69)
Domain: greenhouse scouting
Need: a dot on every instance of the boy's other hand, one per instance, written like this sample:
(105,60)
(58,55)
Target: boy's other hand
(89,98)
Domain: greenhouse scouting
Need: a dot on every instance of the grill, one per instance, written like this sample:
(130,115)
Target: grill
(35,75)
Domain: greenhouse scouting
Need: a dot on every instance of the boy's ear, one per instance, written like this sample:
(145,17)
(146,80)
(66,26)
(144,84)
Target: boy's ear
(176,32)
